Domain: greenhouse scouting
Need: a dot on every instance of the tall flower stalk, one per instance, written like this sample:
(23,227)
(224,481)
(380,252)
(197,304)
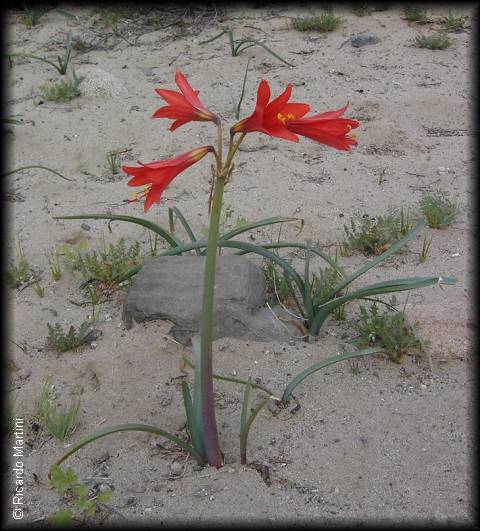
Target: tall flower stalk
(209,426)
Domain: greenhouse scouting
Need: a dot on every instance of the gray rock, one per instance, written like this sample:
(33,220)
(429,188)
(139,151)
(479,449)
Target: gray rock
(362,39)
(171,287)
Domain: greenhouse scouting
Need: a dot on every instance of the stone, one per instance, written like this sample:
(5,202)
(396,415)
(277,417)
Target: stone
(97,82)
(362,39)
(171,288)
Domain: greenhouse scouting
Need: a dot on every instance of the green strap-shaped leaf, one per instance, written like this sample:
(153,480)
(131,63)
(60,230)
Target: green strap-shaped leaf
(389,286)
(393,249)
(239,104)
(192,421)
(325,363)
(214,38)
(258,43)
(231,379)
(130,427)
(36,166)
(38,58)
(255,225)
(246,424)
(167,236)
(186,226)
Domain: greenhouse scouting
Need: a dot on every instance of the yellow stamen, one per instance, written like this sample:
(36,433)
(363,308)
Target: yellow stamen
(282,118)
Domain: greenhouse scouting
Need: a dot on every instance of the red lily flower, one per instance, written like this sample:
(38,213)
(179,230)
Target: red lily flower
(157,175)
(183,106)
(326,128)
(271,118)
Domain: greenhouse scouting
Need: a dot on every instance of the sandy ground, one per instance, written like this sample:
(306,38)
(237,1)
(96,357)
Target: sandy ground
(391,444)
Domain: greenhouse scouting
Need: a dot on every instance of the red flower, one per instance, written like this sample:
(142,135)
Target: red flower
(183,106)
(157,175)
(326,128)
(271,118)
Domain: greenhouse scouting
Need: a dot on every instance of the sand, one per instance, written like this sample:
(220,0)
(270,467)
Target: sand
(384,444)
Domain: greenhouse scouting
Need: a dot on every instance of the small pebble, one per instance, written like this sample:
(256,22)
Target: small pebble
(176,468)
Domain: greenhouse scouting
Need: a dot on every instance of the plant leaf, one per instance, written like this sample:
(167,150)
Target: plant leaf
(237,113)
(372,263)
(128,427)
(35,166)
(186,226)
(258,43)
(230,379)
(325,363)
(255,225)
(168,237)
(214,38)
(389,286)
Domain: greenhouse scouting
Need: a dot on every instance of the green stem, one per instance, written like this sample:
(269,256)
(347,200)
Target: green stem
(211,443)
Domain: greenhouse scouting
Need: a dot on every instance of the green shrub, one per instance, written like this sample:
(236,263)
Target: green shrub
(323,23)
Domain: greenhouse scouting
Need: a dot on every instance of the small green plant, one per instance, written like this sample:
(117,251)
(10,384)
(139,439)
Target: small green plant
(452,23)
(39,290)
(390,329)
(111,16)
(439,211)
(95,297)
(60,341)
(82,505)
(425,249)
(437,41)
(113,162)
(417,14)
(361,9)
(54,265)
(42,401)
(237,46)
(373,236)
(62,91)
(31,15)
(63,62)
(354,367)
(278,288)
(324,23)
(18,272)
(106,266)
(61,421)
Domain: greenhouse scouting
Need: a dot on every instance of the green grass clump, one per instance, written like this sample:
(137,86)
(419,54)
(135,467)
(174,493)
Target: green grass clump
(439,211)
(113,160)
(62,91)
(390,329)
(31,15)
(58,421)
(324,23)
(373,236)
(60,341)
(40,404)
(111,16)
(61,421)
(416,14)
(18,272)
(453,23)
(437,41)
(106,266)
